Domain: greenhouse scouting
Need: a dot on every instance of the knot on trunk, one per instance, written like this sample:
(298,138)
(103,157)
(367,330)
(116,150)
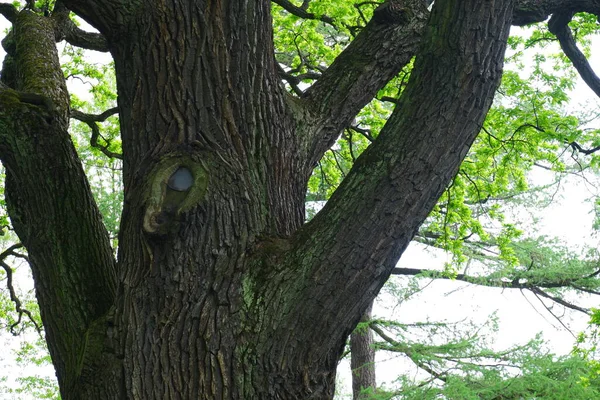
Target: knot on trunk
(176,184)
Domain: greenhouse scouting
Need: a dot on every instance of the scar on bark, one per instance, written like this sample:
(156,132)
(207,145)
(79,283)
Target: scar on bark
(176,184)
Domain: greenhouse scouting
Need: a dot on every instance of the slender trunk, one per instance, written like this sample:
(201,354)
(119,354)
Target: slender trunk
(362,358)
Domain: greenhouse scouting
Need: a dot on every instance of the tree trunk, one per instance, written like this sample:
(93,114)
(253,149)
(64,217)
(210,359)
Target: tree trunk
(362,358)
(220,291)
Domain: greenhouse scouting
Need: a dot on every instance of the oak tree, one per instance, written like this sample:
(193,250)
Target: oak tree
(219,288)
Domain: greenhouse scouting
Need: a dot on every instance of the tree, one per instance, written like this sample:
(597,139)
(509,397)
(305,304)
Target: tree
(219,289)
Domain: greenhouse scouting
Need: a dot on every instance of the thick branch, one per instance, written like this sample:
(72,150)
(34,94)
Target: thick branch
(108,16)
(532,11)
(50,203)
(352,245)
(377,54)
(302,13)
(558,25)
(9,11)
(67,30)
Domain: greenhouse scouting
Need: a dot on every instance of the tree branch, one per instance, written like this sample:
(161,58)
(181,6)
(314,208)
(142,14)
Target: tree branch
(15,299)
(108,16)
(487,281)
(363,68)
(50,202)
(558,25)
(532,11)
(560,301)
(351,246)
(302,13)
(67,30)
(359,72)
(90,120)
(9,11)
(402,348)
(515,283)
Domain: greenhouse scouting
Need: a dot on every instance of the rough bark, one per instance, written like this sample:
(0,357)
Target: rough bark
(220,291)
(362,358)
(48,197)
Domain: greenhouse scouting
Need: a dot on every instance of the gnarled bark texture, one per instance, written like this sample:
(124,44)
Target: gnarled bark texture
(220,290)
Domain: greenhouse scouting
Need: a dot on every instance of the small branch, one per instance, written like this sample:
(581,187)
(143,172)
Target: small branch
(8,11)
(302,13)
(576,146)
(558,25)
(91,120)
(406,350)
(11,251)
(366,133)
(389,99)
(292,80)
(15,299)
(558,300)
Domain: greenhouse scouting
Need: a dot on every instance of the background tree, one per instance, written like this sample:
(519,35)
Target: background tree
(220,289)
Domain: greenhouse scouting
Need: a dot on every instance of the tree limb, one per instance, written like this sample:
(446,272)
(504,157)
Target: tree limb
(487,281)
(402,348)
(532,11)
(9,11)
(379,52)
(67,30)
(302,13)
(351,246)
(560,301)
(15,299)
(506,284)
(108,16)
(558,25)
(359,72)
(90,120)
(49,200)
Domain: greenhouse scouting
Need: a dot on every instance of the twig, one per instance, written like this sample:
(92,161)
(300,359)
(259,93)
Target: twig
(15,299)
